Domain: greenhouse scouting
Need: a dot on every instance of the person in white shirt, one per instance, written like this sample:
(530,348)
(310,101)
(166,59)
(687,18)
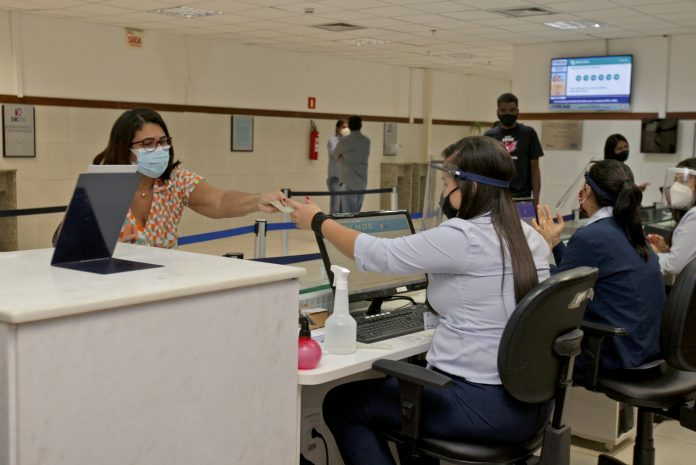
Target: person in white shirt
(679,193)
(333,179)
(473,285)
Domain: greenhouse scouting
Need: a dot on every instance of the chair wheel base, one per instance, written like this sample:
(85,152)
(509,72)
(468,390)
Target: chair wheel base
(608,460)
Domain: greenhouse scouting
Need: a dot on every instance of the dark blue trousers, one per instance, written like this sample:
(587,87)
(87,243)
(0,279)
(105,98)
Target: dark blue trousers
(464,410)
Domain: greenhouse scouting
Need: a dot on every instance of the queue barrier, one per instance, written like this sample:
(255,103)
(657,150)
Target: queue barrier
(260,227)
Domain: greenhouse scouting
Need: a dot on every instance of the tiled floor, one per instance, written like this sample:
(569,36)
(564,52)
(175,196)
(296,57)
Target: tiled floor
(674,445)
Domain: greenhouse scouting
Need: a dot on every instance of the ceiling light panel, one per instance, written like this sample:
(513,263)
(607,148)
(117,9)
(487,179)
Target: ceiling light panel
(186,12)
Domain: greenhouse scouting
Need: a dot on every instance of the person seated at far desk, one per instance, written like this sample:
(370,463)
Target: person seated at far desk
(141,136)
(679,192)
(471,285)
(629,292)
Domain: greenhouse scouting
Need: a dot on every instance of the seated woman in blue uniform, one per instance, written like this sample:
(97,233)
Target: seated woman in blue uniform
(630,289)
(472,285)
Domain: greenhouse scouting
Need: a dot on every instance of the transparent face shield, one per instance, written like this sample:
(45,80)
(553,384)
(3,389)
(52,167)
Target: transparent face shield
(678,190)
(439,179)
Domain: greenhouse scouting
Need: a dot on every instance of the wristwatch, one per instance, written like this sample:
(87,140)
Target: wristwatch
(317,220)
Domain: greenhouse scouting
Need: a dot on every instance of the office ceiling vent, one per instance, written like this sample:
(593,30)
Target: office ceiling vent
(338,27)
(521,12)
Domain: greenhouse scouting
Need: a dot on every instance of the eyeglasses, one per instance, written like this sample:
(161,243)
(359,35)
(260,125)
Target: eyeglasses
(150,144)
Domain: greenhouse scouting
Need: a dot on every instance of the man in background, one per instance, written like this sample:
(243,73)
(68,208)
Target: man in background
(352,152)
(334,171)
(522,143)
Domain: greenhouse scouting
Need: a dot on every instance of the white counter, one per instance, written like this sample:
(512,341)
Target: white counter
(31,289)
(194,362)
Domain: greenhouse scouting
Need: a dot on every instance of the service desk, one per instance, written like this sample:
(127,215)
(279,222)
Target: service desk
(194,362)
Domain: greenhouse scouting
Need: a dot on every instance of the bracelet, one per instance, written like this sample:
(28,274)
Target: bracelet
(317,220)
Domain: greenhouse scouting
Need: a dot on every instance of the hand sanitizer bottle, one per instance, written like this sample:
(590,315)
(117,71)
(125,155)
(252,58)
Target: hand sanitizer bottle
(340,328)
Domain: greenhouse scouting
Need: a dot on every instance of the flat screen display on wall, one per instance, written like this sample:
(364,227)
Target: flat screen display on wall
(659,135)
(591,83)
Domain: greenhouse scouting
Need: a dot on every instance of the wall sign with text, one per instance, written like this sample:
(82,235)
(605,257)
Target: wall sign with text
(18,130)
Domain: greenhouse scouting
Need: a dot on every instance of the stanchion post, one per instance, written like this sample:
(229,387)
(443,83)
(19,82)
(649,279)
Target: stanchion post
(260,231)
(394,199)
(285,239)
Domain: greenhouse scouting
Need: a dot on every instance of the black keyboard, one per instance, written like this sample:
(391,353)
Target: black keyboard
(389,324)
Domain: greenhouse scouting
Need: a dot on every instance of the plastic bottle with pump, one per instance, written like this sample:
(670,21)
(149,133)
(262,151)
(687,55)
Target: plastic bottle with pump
(308,350)
(340,328)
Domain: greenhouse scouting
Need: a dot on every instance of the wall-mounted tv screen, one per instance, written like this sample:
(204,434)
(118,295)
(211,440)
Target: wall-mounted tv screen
(591,83)
(659,135)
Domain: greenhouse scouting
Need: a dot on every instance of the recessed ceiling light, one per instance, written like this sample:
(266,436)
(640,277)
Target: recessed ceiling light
(523,12)
(459,56)
(565,25)
(186,12)
(362,41)
(338,27)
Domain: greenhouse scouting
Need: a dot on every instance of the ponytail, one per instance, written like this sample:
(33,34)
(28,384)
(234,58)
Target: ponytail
(627,214)
(615,187)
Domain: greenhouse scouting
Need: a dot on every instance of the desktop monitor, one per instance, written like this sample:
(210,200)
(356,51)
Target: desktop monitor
(364,285)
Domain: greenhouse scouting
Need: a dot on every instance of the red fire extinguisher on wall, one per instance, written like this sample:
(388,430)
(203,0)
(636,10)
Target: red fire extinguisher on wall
(313,142)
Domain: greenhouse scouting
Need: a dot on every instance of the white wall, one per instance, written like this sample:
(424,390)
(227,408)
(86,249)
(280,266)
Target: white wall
(661,83)
(69,59)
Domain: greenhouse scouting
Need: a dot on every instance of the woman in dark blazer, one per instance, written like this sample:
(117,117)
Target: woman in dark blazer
(630,289)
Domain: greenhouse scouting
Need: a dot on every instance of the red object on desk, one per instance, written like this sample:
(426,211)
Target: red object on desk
(308,350)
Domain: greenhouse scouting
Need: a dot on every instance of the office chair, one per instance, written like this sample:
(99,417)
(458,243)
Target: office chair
(535,362)
(669,388)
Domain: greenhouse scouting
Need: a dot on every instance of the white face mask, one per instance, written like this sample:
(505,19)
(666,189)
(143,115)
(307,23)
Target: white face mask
(680,196)
(345,132)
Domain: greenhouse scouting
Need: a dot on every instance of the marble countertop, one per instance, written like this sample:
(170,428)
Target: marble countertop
(32,290)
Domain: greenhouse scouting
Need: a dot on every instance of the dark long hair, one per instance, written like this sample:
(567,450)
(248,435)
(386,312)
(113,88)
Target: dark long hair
(610,145)
(616,179)
(488,157)
(117,152)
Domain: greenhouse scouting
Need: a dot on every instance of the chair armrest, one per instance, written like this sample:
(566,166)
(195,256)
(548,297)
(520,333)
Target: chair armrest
(589,327)
(411,373)
(595,333)
(412,379)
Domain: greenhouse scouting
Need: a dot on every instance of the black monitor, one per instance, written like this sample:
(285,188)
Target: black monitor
(364,285)
(93,222)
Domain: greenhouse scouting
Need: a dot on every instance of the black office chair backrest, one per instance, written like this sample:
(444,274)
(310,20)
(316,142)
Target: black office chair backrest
(678,330)
(527,364)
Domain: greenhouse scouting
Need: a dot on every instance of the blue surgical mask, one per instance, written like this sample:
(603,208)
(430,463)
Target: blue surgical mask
(152,164)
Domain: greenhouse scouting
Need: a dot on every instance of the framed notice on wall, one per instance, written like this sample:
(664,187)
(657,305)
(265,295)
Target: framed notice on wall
(242,133)
(561,135)
(18,131)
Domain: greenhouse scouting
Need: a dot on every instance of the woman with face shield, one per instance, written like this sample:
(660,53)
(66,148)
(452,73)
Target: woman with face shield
(474,284)
(629,292)
(679,193)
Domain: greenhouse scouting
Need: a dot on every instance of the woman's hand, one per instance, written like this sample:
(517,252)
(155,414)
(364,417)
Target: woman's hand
(550,230)
(658,243)
(128,234)
(304,212)
(266,198)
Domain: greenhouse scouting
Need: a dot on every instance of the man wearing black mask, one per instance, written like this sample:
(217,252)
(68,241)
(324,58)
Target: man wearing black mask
(522,143)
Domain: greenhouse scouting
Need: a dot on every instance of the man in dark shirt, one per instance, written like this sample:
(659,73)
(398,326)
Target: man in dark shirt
(522,143)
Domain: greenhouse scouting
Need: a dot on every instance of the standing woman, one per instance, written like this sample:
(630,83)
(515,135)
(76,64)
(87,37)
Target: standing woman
(140,136)
(616,148)
(480,263)
(679,193)
(629,292)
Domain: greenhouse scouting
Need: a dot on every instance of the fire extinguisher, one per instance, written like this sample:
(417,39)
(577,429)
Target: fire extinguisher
(313,142)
